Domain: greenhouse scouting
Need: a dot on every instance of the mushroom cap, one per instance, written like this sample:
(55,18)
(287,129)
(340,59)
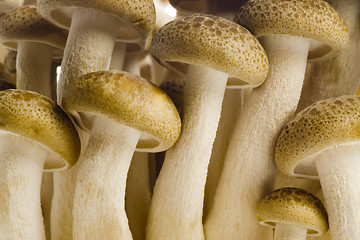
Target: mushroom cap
(208,40)
(324,125)
(293,206)
(138,17)
(41,120)
(312,19)
(127,99)
(25,24)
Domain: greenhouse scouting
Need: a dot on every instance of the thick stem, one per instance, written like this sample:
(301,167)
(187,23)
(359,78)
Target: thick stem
(249,169)
(21,167)
(99,208)
(339,173)
(289,232)
(177,205)
(89,46)
(33,67)
(118,56)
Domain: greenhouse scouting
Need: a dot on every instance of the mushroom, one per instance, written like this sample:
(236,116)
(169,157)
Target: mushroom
(294,213)
(214,49)
(125,112)
(37,41)
(37,135)
(321,142)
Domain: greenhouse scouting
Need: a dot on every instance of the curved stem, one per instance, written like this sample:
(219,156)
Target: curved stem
(99,208)
(177,205)
(21,168)
(289,232)
(33,67)
(249,170)
(339,173)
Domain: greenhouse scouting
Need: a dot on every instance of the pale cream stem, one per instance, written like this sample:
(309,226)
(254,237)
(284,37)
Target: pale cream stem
(118,56)
(249,169)
(132,63)
(177,206)
(289,232)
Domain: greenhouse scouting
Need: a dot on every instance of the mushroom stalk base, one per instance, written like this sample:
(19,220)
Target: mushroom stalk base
(99,208)
(249,170)
(21,168)
(33,67)
(289,232)
(177,205)
(339,173)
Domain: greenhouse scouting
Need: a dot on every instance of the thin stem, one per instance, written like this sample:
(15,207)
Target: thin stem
(249,170)
(339,173)
(33,67)
(118,56)
(177,205)
(99,208)
(289,232)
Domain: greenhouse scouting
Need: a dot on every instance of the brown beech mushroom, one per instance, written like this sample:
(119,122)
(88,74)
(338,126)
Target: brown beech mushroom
(294,213)
(214,49)
(37,135)
(321,142)
(125,113)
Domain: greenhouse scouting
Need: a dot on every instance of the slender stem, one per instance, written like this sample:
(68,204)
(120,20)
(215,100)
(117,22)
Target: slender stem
(177,205)
(33,67)
(132,63)
(21,168)
(289,232)
(249,170)
(339,173)
(99,208)
(118,56)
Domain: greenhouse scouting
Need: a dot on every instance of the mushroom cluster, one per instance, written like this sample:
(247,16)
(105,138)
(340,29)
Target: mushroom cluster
(122,120)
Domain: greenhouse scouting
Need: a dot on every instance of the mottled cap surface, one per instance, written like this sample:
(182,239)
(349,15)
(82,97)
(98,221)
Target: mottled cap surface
(25,24)
(323,125)
(312,19)
(138,14)
(38,118)
(293,206)
(211,41)
(127,99)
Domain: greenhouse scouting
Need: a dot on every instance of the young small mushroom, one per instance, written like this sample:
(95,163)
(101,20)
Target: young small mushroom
(214,49)
(322,141)
(291,32)
(125,113)
(294,213)
(36,135)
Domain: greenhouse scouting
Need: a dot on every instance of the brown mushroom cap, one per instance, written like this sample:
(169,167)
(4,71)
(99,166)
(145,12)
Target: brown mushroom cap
(24,24)
(312,19)
(321,126)
(128,99)
(207,40)
(138,16)
(293,206)
(39,119)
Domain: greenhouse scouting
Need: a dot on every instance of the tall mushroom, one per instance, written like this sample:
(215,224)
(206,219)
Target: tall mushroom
(291,32)
(214,49)
(125,112)
(36,134)
(322,142)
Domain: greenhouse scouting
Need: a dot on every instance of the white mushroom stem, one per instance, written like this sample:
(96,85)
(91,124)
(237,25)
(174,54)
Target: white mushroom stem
(132,63)
(249,170)
(89,45)
(339,173)
(118,56)
(177,205)
(289,232)
(21,168)
(99,208)
(33,67)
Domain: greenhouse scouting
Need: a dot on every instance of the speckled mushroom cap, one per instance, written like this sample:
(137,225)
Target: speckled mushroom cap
(312,19)
(25,24)
(208,40)
(321,126)
(127,99)
(39,119)
(138,16)
(293,206)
